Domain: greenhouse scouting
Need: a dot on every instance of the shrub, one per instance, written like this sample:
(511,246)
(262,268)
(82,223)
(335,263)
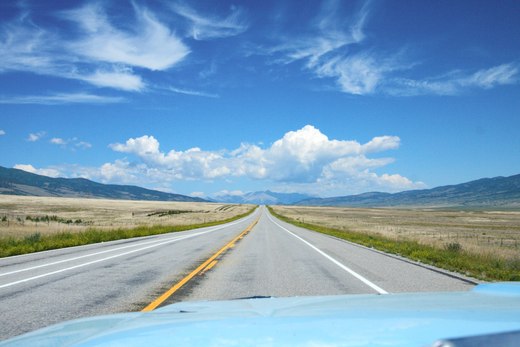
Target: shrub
(454,247)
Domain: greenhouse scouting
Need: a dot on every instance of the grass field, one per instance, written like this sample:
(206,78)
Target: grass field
(29,224)
(483,244)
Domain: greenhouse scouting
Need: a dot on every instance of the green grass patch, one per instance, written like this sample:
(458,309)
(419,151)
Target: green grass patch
(37,242)
(452,257)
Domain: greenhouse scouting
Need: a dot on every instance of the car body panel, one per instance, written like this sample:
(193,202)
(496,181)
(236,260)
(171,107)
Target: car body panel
(406,319)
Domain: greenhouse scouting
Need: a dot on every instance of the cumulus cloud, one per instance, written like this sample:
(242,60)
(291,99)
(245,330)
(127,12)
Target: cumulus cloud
(2,132)
(305,157)
(50,172)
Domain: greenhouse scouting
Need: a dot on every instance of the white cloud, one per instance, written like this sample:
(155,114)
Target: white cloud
(57,99)
(83,145)
(71,143)
(123,79)
(119,171)
(33,137)
(358,74)
(50,172)
(150,44)
(305,158)
(206,27)
(328,34)
(335,46)
(229,192)
(100,53)
(192,92)
(58,141)
(2,132)
(456,82)
(26,47)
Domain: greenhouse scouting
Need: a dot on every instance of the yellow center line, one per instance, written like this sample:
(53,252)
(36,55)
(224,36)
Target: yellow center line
(207,268)
(154,304)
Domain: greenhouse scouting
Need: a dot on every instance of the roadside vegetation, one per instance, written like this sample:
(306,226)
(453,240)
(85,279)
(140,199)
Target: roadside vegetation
(32,224)
(37,242)
(449,254)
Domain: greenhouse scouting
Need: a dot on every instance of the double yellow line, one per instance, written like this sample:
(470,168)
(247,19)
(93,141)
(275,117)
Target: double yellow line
(208,264)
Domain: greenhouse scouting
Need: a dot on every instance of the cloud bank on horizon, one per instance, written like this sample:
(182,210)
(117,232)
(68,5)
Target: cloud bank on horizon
(305,160)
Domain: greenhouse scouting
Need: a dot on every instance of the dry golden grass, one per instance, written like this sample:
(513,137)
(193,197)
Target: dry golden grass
(18,214)
(478,232)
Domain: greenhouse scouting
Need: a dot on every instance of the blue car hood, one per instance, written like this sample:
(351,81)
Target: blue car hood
(417,319)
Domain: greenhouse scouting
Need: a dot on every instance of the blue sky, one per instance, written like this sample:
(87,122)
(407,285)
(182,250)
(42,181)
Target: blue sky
(210,97)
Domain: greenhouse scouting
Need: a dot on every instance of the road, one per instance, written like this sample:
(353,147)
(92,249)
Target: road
(273,259)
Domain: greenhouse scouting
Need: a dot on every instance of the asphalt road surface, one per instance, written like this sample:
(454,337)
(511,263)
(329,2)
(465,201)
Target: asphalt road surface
(273,259)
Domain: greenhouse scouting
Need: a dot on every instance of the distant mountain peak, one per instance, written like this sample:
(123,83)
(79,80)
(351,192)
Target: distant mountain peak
(263,197)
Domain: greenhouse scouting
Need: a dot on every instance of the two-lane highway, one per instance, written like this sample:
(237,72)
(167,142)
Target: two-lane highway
(273,259)
(43,288)
(279,259)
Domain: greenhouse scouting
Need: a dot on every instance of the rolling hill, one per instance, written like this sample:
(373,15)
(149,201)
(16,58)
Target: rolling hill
(19,182)
(485,192)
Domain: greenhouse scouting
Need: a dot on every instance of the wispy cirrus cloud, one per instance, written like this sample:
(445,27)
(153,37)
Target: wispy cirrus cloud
(204,27)
(149,44)
(122,79)
(192,92)
(100,53)
(336,47)
(456,82)
(58,99)
(329,32)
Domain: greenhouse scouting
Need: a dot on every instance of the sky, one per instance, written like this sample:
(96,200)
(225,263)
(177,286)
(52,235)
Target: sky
(207,98)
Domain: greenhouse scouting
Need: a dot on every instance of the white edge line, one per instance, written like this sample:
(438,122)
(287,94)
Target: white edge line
(350,271)
(102,252)
(111,257)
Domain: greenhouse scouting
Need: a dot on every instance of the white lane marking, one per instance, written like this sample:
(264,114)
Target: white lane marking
(112,257)
(102,252)
(350,271)
(80,257)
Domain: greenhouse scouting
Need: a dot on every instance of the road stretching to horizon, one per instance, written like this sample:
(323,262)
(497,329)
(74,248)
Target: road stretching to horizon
(273,259)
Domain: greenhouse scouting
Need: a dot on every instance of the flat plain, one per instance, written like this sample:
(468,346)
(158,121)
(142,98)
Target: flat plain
(481,232)
(21,216)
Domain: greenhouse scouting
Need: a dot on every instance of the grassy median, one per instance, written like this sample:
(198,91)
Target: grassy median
(451,257)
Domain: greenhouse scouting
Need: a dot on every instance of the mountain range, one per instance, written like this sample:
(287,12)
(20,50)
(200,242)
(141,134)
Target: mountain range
(263,198)
(485,192)
(19,182)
